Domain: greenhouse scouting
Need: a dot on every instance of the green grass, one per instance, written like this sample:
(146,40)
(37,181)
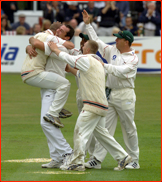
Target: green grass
(23,138)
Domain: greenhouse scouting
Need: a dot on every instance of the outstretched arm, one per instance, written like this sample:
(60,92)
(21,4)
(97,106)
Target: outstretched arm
(71,70)
(86,17)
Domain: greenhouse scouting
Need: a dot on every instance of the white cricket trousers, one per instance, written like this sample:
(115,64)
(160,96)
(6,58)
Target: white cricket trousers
(90,147)
(122,104)
(88,123)
(56,142)
(54,81)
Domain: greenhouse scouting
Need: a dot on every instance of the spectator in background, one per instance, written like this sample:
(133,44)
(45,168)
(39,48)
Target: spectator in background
(151,19)
(46,24)
(123,7)
(22,22)
(53,12)
(139,7)
(99,4)
(9,7)
(129,26)
(92,10)
(36,28)
(20,30)
(4,25)
(108,19)
(73,11)
(82,26)
(158,6)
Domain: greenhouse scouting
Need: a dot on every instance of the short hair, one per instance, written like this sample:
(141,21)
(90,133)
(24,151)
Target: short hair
(20,30)
(71,32)
(55,25)
(93,45)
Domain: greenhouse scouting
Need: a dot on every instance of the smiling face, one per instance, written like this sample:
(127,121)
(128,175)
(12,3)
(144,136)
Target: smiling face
(120,43)
(86,48)
(62,32)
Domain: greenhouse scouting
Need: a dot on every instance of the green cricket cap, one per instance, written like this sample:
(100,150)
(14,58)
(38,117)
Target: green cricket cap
(84,36)
(125,35)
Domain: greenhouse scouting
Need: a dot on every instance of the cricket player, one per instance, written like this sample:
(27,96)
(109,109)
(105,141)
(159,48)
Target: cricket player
(91,76)
(122,69)
(33,71)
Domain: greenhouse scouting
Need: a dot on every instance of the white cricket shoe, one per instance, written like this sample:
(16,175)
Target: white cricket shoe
(93,163)
(123,163)
(73,167)
(132,165)
(52,164)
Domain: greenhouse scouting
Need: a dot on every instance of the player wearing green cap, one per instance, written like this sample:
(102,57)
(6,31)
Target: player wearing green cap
(121,70)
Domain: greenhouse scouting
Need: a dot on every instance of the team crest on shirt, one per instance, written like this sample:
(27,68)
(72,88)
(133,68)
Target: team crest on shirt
(114,57)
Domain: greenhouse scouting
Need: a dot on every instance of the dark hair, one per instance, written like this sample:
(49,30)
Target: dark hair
(7,27)
(130,43)
(71,32)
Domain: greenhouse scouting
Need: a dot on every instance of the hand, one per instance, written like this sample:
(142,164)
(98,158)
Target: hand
(67,69)
(52,46)
(49,7)
(76,15)
(86,17)
(150,12)
(31,51)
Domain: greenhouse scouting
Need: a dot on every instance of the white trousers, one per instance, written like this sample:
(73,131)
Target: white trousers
(88,123)
(56,142)
(90,147)
(50,80)
(122,104)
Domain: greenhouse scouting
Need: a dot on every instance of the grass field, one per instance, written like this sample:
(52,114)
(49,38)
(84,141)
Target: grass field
(24,147)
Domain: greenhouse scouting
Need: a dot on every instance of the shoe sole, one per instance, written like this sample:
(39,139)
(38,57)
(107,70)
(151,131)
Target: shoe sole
(54,123)
(93,167)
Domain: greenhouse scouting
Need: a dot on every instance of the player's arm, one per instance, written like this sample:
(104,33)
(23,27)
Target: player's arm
(68,45)
(128,70)
(31,51)
(37,43)
(104,49)
(71,70)
(80,62)
(57,40)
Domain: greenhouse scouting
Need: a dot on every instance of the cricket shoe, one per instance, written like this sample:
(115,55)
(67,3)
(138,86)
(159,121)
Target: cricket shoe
(132,165)
(54,120)
(65,113)
(123,163)
(93,163)
(67,158)
(73,167)
(52,164)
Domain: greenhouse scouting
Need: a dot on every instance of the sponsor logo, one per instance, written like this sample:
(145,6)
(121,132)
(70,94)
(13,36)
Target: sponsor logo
(8,54)
(114,57)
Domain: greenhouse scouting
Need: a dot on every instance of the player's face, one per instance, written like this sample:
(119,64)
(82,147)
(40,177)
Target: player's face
(85,48)
(120,43)
(83,41)
(62,31)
